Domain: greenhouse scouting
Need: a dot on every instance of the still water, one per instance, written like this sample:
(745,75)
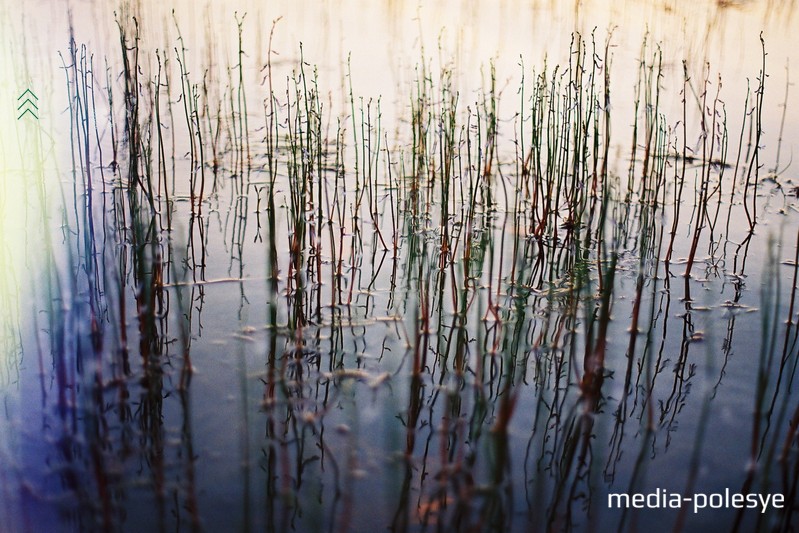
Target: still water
(356,266)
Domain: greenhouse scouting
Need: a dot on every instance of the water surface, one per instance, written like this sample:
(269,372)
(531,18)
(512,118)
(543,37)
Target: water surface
(452,267)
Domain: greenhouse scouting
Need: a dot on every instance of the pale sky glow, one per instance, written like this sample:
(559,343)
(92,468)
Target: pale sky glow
(24,163)
(11,204)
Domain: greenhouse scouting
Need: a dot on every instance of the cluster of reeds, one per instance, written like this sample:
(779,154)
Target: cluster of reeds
(465,273)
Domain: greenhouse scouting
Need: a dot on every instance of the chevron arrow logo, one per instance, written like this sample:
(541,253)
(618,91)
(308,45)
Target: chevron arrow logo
(27,104)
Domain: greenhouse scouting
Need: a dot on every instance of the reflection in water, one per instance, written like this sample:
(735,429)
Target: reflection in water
(256,310)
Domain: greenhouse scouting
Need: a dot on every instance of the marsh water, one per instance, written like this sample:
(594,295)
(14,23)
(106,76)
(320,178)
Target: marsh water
(320,266)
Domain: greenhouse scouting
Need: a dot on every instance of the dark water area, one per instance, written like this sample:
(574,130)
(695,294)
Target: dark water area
(472,282)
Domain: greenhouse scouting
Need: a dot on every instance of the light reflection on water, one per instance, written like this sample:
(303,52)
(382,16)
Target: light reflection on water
(383,379)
